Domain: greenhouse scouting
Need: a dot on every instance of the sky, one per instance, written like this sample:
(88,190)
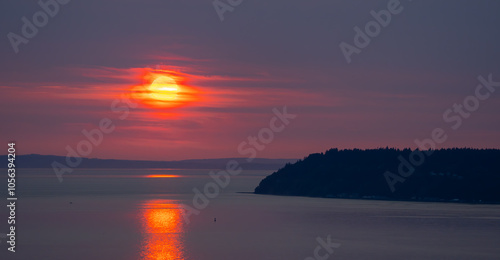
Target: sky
(225,76)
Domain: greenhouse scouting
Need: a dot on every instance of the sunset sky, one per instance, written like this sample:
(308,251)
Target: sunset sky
(229,75)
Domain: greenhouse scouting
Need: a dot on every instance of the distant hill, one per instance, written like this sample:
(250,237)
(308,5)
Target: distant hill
(459,175)
(45,161)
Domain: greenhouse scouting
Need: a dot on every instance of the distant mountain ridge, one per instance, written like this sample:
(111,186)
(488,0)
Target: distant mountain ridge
(45,161)
(458,175)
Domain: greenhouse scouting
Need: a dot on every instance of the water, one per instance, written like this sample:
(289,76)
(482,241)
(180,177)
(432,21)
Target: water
(118,214)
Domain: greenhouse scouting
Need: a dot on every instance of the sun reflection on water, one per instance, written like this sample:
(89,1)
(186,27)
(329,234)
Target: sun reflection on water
(163,230)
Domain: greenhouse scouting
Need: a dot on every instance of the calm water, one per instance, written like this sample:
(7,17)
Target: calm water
(116,214)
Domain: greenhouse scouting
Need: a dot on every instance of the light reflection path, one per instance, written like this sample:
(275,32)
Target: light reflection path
(163,230)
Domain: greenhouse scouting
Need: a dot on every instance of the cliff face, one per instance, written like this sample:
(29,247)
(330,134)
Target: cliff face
(464,175)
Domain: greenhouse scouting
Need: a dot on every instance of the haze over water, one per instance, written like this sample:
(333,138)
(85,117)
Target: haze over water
(117,214)
(257,85)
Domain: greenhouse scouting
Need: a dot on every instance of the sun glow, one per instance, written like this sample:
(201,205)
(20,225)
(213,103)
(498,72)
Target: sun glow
(162,176)
(163,89)
(163,231)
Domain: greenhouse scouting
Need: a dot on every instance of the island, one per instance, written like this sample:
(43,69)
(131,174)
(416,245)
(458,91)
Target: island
(446,175)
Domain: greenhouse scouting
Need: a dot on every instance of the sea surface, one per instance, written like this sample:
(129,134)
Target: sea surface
(138,214)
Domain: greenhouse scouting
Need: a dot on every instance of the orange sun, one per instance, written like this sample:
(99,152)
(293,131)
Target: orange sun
(163,89)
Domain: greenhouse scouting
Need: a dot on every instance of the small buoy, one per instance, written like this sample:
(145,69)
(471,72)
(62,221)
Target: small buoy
(215,219)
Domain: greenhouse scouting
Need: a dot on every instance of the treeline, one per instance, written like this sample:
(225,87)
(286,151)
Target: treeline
(456,174)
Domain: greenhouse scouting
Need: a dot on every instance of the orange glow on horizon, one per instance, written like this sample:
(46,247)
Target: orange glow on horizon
(163,89)
(163,176)
(163,228)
